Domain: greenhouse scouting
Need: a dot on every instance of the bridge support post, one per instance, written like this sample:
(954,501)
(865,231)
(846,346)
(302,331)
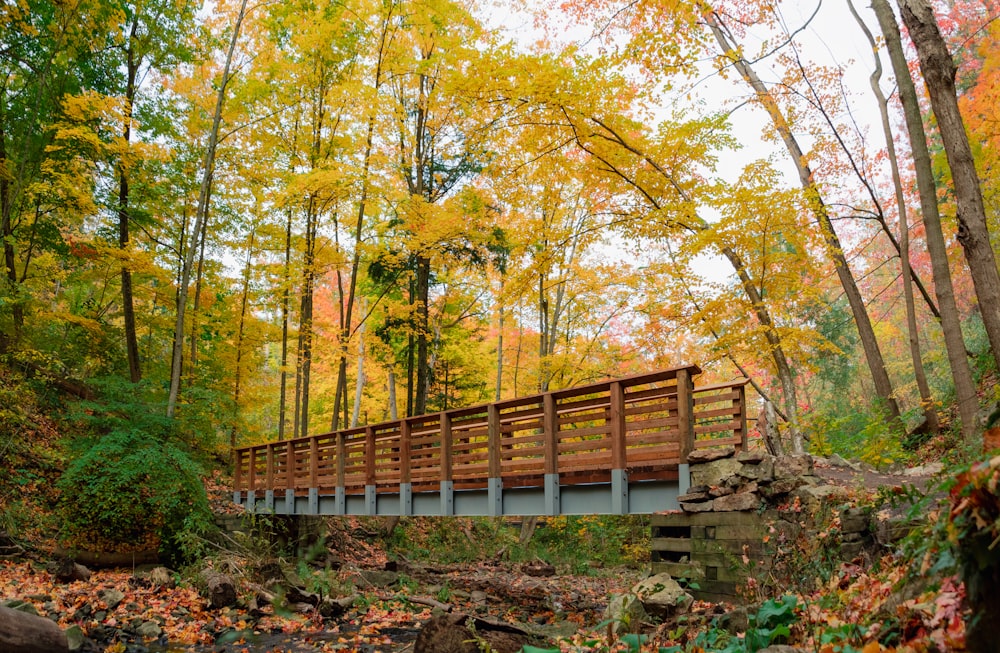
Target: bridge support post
(269,500)
(552,503)
(494,495)
(619,492)
(312,506)
(236,497)
(340,501)
(371,508)
(251,502)
(447,498)
(289,501)
(683,478)
(405,499)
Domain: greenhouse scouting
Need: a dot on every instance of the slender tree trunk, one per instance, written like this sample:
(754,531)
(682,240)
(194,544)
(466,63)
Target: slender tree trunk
(196,306)
(926,399)
(938,70)
(873,354)
(965,388)
(499,385)
(393,410)
(423,330)
(285,301)
(7,227)
(208,171)
(128,304)
(306,320)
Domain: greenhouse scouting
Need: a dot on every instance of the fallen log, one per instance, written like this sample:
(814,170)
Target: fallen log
(221,590)
(21,632)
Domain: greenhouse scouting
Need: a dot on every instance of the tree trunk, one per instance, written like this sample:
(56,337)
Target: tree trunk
(873,354)
(965,388)
(21,632)
(209,169)
(393,411)
(926,399)
(939,77)
(423,330)
(128,304)
(285,301)
(304,365)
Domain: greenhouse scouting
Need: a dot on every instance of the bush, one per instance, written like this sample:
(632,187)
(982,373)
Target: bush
(130,491)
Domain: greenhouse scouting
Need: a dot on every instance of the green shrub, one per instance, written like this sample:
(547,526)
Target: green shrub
(131,490)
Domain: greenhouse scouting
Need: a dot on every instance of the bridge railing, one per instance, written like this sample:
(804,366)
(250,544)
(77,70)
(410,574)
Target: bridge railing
(643,425)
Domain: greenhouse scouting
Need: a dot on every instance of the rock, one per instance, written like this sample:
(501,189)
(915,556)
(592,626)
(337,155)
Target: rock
(478,597)
(793,465)
(823,492)
(378,578)
(761,471)
(781,487)
(699,456)
(752,457)
(461,633)
(21,632)
(699,506)
(715,472)
(149,630)
(930,469)
(661,596)
(111,597)
(742,501)
(538,569)
(66,570)
(162,577)
(837,461)
(721,491)
(626,612)
(854,520)
(694,497)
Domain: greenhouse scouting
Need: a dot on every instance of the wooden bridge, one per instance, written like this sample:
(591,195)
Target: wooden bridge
(613,447)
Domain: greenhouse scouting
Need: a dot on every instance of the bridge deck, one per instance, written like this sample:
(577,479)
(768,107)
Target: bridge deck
(613,447)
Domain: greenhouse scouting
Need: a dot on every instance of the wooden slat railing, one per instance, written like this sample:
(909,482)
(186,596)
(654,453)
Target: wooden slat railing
(644,424)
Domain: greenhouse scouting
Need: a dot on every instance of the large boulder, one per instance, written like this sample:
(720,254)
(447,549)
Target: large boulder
(661,596)
(715,472)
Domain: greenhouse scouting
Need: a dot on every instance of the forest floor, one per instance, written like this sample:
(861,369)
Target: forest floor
(872,602)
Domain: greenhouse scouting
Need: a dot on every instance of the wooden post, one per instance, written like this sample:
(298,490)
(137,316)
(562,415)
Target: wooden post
(493,441)
(447,463)
(685,413)
(369,456)
(289,464)
(371,491)
(550,440)
(741,399)
(270,467)
(404,451)
(313,462)
(341,459)
(550,433)
(447,443)
(616,418)
(494,488)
